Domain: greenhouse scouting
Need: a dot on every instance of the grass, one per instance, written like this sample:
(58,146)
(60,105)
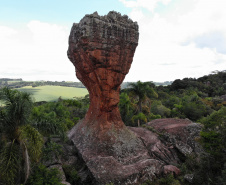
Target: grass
(52,93)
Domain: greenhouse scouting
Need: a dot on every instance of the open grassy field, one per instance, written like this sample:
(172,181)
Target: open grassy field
(52,93)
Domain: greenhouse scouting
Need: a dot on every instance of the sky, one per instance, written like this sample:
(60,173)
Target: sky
(177,38)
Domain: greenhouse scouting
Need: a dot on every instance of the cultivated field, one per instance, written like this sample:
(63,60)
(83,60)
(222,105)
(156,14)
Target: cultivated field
(52,93)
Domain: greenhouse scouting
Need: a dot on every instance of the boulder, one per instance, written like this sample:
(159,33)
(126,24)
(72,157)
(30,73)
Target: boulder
(161,143)
(181,133)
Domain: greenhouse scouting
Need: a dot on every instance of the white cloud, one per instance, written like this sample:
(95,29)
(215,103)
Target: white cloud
(6,32)
(177,40)
(35,52)
(162,54)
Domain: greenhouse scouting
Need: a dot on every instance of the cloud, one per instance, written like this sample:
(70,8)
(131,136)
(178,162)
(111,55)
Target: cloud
(189,34)
(213,40)
(6,32)
(177,39)
(167,64)
(36,51)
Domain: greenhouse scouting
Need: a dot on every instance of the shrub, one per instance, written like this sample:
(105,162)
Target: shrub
(71,174)
(42,175)
(51,150)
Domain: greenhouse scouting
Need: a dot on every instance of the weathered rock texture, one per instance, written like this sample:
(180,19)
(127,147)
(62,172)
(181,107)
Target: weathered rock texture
(164,145)
(101,49)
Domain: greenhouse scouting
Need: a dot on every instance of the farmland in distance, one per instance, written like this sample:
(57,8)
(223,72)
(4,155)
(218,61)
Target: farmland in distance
(52,93)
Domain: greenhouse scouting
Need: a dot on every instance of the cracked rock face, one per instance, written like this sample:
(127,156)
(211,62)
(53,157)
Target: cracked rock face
(101,49)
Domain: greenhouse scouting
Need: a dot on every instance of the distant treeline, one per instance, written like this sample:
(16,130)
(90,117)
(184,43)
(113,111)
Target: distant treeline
(10,79)
(18,83)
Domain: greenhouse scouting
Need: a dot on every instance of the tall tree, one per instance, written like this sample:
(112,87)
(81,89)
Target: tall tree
(126,108)
(22,143)
(143,92)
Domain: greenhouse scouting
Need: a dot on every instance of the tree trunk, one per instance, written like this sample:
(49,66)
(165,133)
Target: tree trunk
(139,106)
(138,122)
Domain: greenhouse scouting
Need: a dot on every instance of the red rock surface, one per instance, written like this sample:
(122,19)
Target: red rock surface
(171,169)
(101,49)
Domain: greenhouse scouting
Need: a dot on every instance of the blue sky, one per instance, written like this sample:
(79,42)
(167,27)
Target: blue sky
(178,38)
(55,11)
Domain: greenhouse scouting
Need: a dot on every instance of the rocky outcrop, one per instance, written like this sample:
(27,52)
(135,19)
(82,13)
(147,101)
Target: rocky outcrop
(164,145)
(101,49)
(182,133)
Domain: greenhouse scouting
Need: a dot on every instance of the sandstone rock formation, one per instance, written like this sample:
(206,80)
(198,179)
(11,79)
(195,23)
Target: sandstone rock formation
(101,49)
(167,143)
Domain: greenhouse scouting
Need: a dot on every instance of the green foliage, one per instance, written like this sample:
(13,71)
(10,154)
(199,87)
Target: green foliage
(142,91)
(212,85)
(33,140)
(42,175)
(167,180)
(213,134)
(76,119)
(139,118)
(172,101)
(179,84)
(51,150)
(77,107)
(16,111)
(196,99)
(10,160)
(69,123)
(212,166)
(190,105)
(55,118)
(71,174)
(158,109)
(52,118)
(23,143)
(126,108)
(71,102)
(151,116)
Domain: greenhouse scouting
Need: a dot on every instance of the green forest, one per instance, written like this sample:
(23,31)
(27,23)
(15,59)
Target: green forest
(34,133)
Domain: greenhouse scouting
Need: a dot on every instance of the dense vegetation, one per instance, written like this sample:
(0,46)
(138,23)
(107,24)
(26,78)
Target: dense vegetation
(23,128)
(26,128)
(201,100)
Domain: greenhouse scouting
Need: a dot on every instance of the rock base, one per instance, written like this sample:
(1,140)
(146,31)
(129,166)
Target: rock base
(133,155)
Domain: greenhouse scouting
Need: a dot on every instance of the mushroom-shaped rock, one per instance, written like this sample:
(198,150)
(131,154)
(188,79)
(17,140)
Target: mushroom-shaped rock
(101,49)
